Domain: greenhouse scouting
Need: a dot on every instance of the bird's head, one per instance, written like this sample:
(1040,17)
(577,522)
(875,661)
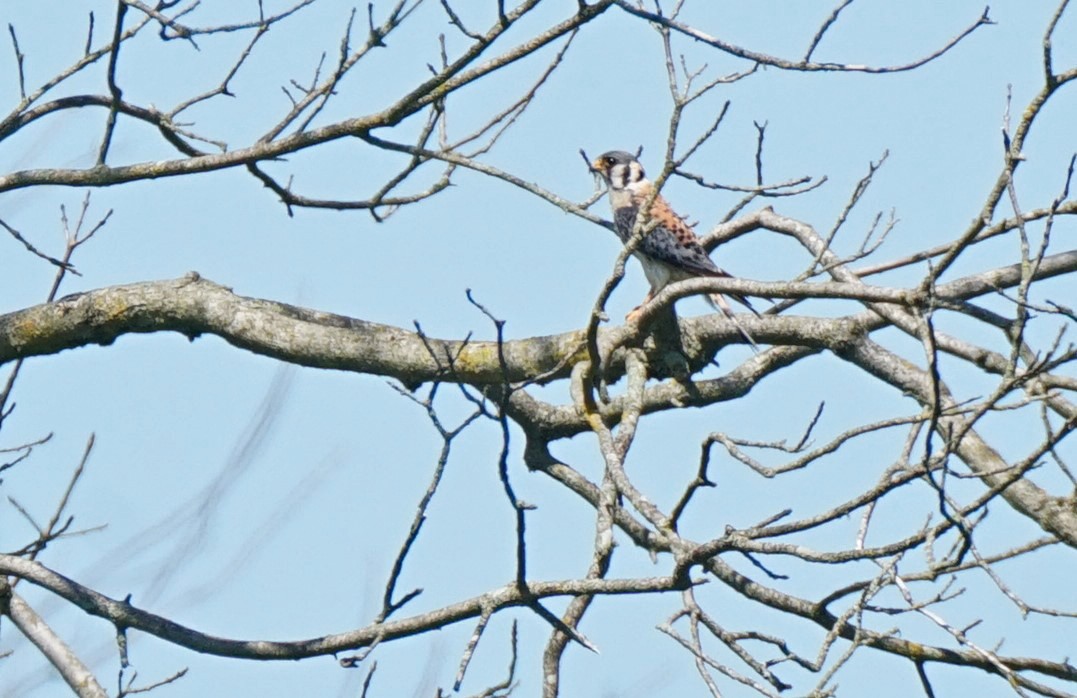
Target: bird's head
(617,169)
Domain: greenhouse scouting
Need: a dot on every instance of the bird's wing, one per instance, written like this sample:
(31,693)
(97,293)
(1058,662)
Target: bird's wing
(672,241)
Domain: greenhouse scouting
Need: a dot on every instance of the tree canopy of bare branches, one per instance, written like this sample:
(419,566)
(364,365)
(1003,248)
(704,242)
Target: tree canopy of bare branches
(382,213)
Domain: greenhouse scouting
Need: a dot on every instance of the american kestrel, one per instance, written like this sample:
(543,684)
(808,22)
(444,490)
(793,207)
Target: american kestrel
(670,252)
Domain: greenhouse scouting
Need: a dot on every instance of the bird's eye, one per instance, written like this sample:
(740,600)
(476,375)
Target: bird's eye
(610,162)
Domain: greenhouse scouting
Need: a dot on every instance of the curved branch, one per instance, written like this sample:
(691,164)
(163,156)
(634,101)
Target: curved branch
(123,615)
(148,115)
(805,64)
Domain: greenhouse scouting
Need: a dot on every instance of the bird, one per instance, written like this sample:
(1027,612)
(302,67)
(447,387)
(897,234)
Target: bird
(670,251)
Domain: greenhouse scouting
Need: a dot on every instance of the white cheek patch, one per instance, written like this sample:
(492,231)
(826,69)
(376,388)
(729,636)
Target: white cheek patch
(618,176)
(624,175)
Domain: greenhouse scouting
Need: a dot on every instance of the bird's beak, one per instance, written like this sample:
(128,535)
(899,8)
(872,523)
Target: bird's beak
(596,166)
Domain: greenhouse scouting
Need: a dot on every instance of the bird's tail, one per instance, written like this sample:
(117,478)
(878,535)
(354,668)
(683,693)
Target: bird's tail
(718,301)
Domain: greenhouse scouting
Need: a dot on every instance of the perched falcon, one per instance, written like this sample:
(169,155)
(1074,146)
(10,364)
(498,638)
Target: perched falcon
(670,252)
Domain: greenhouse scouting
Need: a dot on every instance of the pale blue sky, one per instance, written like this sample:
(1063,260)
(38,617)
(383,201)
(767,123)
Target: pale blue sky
(301,543)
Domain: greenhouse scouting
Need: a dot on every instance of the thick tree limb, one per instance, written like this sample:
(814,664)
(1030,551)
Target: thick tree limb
(193,306)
